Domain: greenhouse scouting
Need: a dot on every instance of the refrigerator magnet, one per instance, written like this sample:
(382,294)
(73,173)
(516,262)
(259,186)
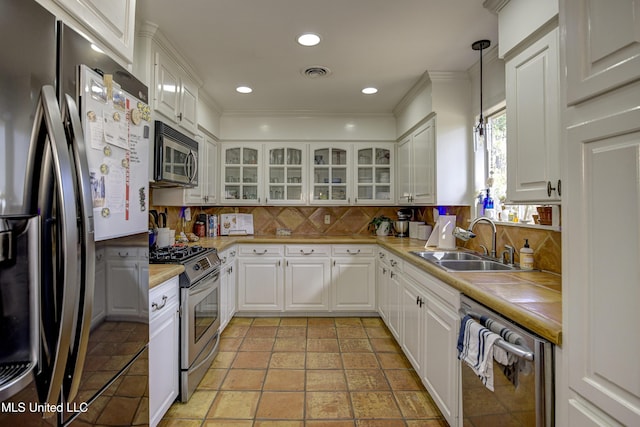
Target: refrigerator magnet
(136,116)
(116,116)
(105,212)
(107,150)
(104,169)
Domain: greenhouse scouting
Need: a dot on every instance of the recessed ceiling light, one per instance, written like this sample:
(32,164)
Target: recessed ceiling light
(308,39)
(244,89)
(369,90)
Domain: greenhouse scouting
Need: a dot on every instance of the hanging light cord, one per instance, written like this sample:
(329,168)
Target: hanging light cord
(480,45)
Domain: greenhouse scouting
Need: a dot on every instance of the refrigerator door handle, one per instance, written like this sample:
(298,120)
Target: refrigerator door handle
(48,132)
(78,349)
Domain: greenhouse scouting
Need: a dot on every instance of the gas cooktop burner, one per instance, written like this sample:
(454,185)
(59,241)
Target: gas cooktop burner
(175,254)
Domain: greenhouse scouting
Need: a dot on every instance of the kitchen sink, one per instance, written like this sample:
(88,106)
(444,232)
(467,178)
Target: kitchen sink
(462,261)
(435,256)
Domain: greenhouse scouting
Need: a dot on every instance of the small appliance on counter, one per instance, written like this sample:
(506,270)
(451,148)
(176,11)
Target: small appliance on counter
(401,225)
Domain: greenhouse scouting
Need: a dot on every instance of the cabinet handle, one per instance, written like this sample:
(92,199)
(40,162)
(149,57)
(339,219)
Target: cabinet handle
(559,188)
(224,260)
(550,188)
(123,255)
(421,302)
(307,253)
(334,263)
(180,117)
(353,253)
(155,306)
(279,263)
(381,255)
(287,263)
(418,300)
(384,271)
(393,262)
(233,253)
(259,253)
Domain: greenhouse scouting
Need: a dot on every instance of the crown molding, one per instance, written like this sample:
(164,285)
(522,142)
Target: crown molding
(494,6)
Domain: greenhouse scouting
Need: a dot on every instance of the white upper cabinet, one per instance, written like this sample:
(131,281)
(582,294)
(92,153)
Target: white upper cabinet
(416,166)
(533,121)
(241,171)
(604,41)
(112,22)
(374,173)
(330,174)
(286,174)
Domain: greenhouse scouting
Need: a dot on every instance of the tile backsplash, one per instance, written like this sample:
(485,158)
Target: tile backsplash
(354,220)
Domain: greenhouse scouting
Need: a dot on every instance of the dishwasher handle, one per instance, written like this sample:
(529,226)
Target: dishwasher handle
(521,351)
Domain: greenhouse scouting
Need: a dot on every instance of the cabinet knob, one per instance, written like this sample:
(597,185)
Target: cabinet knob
(559,187)
(180,117)
(550,188)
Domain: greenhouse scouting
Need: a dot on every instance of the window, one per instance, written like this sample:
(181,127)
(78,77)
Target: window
(497,154)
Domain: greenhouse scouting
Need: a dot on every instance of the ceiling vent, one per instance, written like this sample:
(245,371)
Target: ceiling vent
(316,72)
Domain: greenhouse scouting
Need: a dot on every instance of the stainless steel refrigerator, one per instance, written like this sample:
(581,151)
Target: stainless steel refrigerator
(74,129)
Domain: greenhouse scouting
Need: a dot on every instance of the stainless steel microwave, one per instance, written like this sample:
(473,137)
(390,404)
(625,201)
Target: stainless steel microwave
(176,158)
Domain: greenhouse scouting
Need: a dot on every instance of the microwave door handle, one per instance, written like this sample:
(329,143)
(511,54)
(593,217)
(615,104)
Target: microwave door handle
(78,352)
(48,131)
(192,166)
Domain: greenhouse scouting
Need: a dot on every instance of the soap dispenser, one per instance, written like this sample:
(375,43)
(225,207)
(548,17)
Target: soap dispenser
(526,256)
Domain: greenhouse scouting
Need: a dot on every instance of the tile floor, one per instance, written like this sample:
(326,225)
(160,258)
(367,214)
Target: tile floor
(313,372)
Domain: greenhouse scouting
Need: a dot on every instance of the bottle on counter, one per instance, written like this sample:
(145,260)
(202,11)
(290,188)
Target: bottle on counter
(526,256)
(489,210)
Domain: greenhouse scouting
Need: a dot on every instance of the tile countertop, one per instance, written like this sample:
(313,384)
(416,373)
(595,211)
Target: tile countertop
(533,299)
(159,273)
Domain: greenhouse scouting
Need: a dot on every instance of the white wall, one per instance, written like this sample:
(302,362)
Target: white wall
(307,127)
(518,19)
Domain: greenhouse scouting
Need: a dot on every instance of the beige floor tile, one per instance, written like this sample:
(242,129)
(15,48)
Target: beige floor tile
(372,322)
(329,423)
(230,344)
(223,359)
(227,423)
(321,321)
(235,405)
(235,331)
(284,380)
(281,405)
(373,332)
(429,423)
(385,345)
(403,379)
(244,379)
(287,360)
(119,411)
(374,404)
(262,331)
(290,344)
(349,345)
(279,423)
(266,321)
(197,406)
(360,361)
(322,345)
(351,332)
(321,332)
(245,321)
(326,380)
(292,332)
(212,379)
(328,405)
(366,380)
(293,321)
(252,359)
(348,321)
(380,423)
(170,422)
(393,361)
(257,344)
(416,404)
(324,361)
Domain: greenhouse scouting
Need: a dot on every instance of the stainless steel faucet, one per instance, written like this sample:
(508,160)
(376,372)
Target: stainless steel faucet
(508,251)
(493,229)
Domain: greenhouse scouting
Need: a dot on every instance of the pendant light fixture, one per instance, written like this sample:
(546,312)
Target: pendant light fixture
(479,130)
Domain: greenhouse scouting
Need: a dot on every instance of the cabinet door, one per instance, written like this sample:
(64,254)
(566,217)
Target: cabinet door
(382,289)
(373,174)
(286,175)
(353,284)
(330,175)
(533,121)
(603,46)
(603,262)
(394,293)
(307,283)
(188,107)
(423,164)
(167,96)
(123,292)
(260,284)
(240,174)
(411,336)
(440,358)
(404,186)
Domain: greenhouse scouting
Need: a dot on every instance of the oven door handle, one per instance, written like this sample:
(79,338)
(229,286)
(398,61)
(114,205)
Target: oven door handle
(203,284)
(521,351)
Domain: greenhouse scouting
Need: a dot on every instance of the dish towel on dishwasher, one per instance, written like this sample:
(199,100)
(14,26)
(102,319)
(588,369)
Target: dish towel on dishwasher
(475,348)
(509,362)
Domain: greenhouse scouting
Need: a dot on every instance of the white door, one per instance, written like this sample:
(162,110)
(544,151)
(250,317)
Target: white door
(260,284)
(353,284)
(411,336)
(307,283)
(424,163)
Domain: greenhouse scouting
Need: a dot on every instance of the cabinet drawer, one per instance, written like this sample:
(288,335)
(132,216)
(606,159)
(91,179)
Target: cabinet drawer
(228,255)
(353,250)
(163,298)
(126,252)
(261,250)
(307,250)
(442,290)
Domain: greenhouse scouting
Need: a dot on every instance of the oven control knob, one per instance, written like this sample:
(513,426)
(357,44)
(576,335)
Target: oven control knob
(196,267)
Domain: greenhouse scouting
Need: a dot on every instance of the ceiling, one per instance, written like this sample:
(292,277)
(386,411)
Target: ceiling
(388,44)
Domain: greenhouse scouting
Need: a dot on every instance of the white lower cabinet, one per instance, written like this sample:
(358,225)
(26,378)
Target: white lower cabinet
(353,284)
(164,327)
(260,278)
(227,286)
(412,335)
(127,282)
(307,278)
(388,280)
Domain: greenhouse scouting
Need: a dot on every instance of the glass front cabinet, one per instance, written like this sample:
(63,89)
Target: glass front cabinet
(285,175)
(330,175)
(374,174)
(240,174)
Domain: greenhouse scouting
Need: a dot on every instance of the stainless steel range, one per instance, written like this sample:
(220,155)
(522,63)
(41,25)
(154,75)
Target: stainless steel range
(199,310)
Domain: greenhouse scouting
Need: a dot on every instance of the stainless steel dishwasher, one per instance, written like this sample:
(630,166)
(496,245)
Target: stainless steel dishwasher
(531,402)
